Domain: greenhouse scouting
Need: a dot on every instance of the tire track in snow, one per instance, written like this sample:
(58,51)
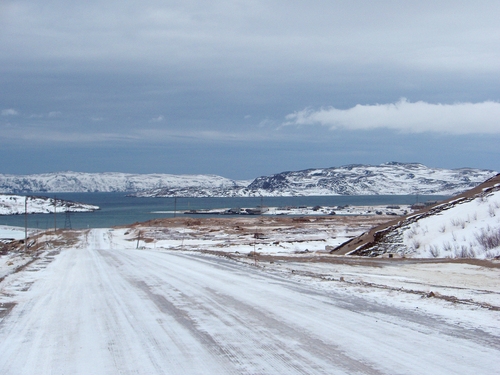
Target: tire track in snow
(105,311)
(179,277)
(168,348)
(264,338)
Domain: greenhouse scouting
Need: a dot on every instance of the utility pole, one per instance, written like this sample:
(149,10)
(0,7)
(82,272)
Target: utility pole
(254,254)
(26,223)
(138,239)
(55,213)
(255,236)
(67,221)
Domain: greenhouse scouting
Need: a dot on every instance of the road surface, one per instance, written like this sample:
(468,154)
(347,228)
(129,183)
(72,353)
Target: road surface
(99,309)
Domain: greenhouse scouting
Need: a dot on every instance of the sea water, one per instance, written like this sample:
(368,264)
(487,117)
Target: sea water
(118,209)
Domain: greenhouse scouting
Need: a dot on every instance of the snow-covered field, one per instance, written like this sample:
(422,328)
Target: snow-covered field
(102,306)
(241,235)
(10,232)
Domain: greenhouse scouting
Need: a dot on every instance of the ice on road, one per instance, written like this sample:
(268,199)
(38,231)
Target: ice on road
(104,310)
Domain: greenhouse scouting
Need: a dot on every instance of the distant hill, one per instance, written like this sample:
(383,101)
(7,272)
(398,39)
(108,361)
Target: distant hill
(385,179)
(79,182)
(357,179)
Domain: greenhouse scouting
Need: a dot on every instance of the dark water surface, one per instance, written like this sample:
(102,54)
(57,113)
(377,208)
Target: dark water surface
(117,209)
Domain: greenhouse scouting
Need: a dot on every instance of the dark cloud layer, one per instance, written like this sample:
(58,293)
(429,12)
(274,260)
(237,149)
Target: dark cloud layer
(242,88)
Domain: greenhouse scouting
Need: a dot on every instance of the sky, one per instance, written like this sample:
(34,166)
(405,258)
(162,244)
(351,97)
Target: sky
(247,88)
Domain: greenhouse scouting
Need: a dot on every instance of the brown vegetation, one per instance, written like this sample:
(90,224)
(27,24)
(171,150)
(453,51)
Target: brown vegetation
(362,244)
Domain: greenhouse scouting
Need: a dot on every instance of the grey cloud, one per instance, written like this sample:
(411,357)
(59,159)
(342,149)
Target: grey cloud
(423,35)
(40,136)
(226,73)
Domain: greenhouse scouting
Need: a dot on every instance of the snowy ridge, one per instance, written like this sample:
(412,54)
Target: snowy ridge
(17,204)
(385,179)
(78,182)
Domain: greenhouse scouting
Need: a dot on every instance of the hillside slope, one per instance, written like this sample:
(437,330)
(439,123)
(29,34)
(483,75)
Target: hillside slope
(78,182)
(465,226)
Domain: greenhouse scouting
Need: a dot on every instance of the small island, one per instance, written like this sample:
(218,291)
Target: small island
(18,204)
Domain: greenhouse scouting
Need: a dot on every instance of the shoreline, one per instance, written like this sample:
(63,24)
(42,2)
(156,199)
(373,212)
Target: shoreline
(346,210)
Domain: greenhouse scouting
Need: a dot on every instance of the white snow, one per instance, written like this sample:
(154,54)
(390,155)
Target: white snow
(342,210)
(467,230)
(15,233)
(109,182)
(384,179)
(103,307)
(284,240)
(153,300)
(11,204)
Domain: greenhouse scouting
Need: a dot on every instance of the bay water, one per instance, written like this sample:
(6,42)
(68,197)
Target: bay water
(118,209)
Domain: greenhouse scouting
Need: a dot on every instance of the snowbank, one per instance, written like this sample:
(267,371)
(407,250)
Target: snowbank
(467,230)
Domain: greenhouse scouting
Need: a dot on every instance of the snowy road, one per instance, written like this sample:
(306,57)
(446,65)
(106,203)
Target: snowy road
(105,310)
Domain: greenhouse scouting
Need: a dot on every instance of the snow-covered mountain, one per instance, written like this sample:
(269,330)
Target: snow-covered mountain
(389,178)
(77,182)
(17,204)
(466,226)
(385,179)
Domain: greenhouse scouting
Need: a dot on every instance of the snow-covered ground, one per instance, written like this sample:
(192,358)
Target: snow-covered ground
(10,232)
(10,261)
(265,235)
(468,230)
(105,307)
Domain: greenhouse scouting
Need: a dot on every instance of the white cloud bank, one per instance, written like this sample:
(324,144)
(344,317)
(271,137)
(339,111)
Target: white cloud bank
(417,117)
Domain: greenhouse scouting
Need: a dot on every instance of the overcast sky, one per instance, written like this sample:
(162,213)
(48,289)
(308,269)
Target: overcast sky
(247,88)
